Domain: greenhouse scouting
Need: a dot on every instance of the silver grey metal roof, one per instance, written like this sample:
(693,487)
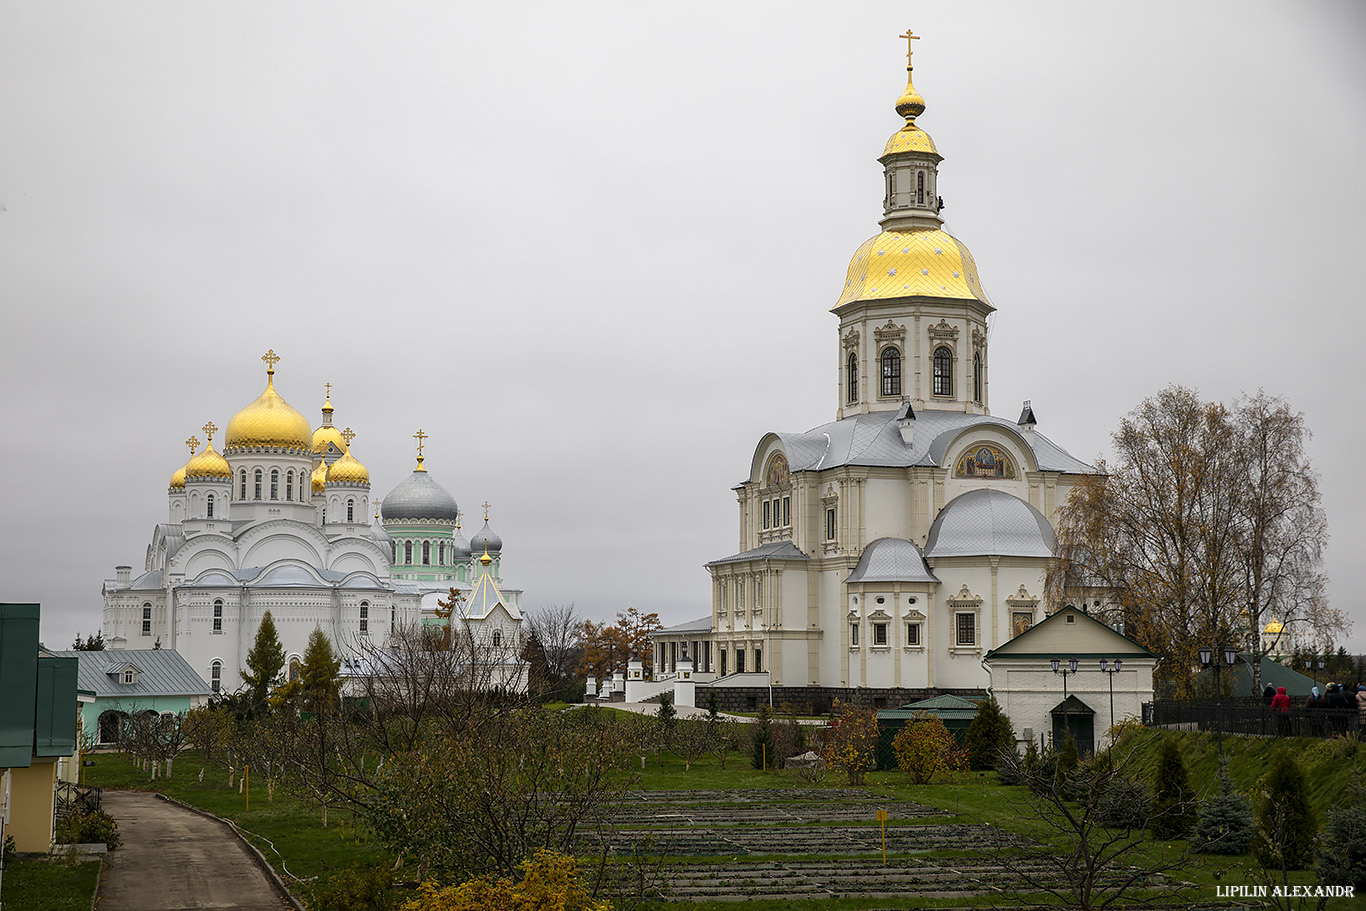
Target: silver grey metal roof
(486,537)
(874,439)
(419,497)
(891,560)
(161,672)
(460,546)
(989,522)
(702,625)
(774,550)
(146,582)
(378,533)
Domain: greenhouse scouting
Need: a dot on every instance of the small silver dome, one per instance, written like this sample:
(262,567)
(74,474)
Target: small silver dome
(989,522)
(487,539)
(419,497)
(460,548)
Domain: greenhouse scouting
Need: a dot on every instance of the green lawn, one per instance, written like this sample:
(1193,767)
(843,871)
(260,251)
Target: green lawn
(49,885)
(291,835)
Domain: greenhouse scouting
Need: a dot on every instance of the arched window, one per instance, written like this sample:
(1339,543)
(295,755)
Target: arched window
(294,667)
(350,510)
(441,554)
(497,639)
(365,618)
(289,485)
(393,618)
(891,372)
(147,618)
(943,371)
(275,483)
(851,374)
(216,676)
(919,188)
(408,552)
(426,553)
(977,377)
(208,506)
(243,494)
(393,551)
(218,616)
(258,483)
(110,724)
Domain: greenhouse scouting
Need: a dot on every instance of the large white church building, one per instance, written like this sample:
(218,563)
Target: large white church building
(281,521)
(893,547)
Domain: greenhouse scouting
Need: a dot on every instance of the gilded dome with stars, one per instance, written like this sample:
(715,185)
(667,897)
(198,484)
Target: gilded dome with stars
(269,422)
(178,479)
(928,262)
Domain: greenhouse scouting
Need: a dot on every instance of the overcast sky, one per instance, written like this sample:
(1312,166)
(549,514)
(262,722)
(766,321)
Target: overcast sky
(591,248)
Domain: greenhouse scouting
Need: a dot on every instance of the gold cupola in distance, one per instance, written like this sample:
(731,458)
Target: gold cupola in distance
(209,463)
(347,469)
(178,478)
(269,422)
(327,432)
(913,256)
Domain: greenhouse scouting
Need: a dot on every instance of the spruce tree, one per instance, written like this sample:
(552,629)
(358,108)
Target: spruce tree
(762,741)
(1342,852)
(264,661)
(1225,825)
(1286,821)
(989,735)
(320,673)
(1173,811)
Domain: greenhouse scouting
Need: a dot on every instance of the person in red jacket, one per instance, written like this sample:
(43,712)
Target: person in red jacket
(1280,707)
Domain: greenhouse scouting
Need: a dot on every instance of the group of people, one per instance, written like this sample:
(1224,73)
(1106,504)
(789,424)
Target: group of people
(1333,710)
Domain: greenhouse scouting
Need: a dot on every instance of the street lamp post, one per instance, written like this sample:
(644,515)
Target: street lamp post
(1066,672)
(1229,656)
(1110,672)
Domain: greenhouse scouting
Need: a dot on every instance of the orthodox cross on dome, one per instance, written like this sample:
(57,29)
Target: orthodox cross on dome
(485,504)
(271,359)
(459,514)
(328,387)
(909,36)
(348,435)
(209,429)
(420,437)
(193,444)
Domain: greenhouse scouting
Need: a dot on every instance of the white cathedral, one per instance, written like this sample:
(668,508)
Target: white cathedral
(281,521)
(893,547)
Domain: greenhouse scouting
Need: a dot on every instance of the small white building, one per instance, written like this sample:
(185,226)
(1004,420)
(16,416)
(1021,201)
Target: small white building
(1112,679)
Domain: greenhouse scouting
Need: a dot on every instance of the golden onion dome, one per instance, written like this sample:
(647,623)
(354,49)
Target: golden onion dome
(327,432)
(208,464)
(178,479)
(910,138)
(269,423)
(927,262)
(319,477)
(347,470)
(1275,626)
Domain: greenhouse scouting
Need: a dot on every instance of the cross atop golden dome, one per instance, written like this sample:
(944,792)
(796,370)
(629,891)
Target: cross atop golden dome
(210,428)
(910,105)
(193,443)
(269,422)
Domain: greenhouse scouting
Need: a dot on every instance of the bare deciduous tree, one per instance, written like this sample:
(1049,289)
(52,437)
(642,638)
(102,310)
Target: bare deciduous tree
(1207,525)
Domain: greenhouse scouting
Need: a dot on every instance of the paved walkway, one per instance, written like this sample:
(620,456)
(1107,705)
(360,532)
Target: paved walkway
(173,859)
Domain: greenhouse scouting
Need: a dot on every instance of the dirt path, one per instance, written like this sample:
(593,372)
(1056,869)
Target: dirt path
(173,859)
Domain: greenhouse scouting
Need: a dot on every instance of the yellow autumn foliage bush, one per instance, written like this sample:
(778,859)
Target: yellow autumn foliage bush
(550,882)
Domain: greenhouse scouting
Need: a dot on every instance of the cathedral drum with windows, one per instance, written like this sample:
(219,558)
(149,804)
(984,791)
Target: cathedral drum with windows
(894,546)
(279,521)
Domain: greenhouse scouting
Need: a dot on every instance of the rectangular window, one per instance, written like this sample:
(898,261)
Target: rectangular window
(739,661)
(364,619)
(758,660)
(853,634)
(218,617)
(787,511)
(767,507)
(1021,621)
(879,634)
(913,634)
(706,656)
(830,524)
(967,629)
(723,662)
(217,677)
(147,619)
(673,656)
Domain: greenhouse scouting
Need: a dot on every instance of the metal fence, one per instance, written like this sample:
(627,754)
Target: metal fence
(73,798)
(1254,719)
